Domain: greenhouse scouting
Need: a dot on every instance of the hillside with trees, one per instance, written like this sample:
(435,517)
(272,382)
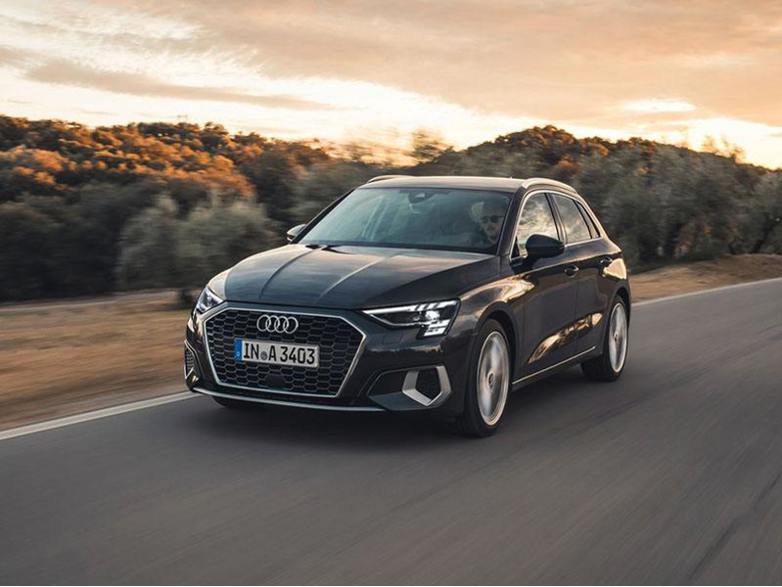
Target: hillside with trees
(94,210)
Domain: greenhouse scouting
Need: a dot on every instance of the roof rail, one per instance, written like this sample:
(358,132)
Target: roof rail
(536,180)
(382,177)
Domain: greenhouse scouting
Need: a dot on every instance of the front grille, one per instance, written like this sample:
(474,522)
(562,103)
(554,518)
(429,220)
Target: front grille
(338,341)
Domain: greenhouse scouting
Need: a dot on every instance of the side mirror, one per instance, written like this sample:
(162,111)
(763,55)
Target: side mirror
(539,246)
(294,232)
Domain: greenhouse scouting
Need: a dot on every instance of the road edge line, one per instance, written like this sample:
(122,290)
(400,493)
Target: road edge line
(94,415)
(703,291)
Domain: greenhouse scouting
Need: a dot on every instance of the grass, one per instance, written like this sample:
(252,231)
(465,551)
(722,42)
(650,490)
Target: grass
(58,359)
(700,275)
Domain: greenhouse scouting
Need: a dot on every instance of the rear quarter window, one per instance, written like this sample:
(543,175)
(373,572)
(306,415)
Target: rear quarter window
(576,227)
(590,222)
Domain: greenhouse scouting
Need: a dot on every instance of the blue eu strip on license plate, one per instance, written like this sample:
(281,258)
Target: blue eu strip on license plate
(238,350)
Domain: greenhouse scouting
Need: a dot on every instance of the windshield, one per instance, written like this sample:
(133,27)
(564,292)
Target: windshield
(451,219)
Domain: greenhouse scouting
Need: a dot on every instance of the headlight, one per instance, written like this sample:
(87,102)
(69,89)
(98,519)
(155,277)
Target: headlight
(206,301)
(434,318)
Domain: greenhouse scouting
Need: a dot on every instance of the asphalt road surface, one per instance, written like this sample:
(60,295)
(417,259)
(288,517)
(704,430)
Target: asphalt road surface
(671,475)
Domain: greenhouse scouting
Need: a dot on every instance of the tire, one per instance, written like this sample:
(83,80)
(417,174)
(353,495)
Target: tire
(489,384)
(233,404)
(611,362)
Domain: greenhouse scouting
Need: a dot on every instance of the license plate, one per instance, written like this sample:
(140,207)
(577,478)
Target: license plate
(276,353)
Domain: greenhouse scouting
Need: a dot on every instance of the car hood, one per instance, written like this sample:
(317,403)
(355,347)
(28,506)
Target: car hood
(355,277)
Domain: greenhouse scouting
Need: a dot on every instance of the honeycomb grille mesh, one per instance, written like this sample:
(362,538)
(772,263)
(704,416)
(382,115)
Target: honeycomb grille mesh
(337,339)
(189,361)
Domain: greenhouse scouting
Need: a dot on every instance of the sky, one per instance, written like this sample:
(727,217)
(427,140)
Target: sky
(375,72)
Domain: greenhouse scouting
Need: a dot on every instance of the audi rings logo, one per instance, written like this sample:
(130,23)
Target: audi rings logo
(278,324)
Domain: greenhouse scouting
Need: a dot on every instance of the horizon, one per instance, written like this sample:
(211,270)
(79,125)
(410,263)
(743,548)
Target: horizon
(402,154)
(355,72)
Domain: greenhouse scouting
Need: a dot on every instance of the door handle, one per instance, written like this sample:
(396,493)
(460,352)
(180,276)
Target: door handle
(571,270)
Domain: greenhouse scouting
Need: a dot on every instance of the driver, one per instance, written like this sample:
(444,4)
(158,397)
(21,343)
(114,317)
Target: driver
(492,213)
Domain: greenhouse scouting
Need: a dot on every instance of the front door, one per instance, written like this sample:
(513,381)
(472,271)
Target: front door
(546,309)
(587,253)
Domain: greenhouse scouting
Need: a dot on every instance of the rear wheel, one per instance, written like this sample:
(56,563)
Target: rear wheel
(487,390)
(610,364)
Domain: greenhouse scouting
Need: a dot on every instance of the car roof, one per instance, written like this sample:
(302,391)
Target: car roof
(502,184)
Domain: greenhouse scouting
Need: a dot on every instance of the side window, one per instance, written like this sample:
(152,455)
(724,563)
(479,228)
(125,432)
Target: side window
(536,218)
(576,227)
(590,222)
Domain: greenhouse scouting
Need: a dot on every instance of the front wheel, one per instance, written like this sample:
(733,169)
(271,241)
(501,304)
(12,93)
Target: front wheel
(487,390)
(610,364)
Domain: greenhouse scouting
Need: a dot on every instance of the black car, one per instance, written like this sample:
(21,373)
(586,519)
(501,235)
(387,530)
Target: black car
(417,293)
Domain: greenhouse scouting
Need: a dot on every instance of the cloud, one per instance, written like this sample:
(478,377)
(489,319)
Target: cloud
(10,56)
(72,74)
(611,66)
(717,59)
(658,106)
(521,58)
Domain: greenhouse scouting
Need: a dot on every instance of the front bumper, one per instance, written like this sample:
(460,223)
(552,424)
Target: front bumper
(393,369)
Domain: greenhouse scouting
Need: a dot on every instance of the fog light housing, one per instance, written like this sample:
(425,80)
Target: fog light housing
(427,386)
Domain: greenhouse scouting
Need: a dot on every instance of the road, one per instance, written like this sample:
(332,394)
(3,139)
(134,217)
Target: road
(671,475)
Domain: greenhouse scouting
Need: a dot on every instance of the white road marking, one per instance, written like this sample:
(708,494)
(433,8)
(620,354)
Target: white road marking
(158,401)
(703,291)
(94,415)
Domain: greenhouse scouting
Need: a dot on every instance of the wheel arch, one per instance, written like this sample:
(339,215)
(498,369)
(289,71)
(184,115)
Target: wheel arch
(624,293)
(505,319)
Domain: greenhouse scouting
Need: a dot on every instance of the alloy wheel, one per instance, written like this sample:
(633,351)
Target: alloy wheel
(617,337)
(493,378)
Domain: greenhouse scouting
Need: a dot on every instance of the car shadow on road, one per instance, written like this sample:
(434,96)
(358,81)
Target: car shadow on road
(381,430)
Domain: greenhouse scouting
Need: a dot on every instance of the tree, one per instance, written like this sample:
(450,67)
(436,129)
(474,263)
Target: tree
(149,204)
(762,222)
(322,184)
(147,246)
(216,237)
(27,240)
(427,146)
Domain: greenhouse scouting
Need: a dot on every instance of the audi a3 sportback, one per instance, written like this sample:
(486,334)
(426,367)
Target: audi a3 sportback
(417,293)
